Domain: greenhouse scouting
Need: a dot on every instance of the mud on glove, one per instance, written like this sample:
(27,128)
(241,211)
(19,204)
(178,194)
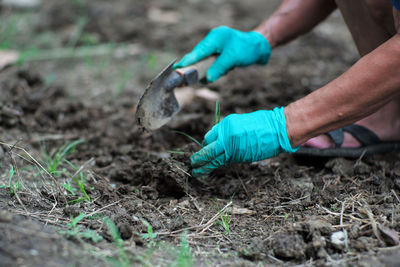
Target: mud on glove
(242,138)
(236,48)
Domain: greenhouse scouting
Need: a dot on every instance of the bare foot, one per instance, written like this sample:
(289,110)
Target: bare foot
(324,141)
(385,123)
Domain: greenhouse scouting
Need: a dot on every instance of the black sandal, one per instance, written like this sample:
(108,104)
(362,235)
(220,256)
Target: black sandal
(370,144)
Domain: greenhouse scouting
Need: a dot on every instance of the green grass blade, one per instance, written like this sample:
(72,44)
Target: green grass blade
(10,175)
(175,152)
(112,228)
(70,148)
(188,136)
(185,257)
(81,187)
(76,220)
(217,116)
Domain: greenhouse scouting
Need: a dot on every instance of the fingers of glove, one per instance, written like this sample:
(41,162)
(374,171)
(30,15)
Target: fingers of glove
(221,66)
(208,168)
(211,136)
(205,48)
(206,154)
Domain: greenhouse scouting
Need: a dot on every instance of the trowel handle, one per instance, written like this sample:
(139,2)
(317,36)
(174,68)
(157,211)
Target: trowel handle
(196,72)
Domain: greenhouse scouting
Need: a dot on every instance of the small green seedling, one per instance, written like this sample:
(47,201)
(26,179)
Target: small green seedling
(185,258)
(68,186)
(123,258)
(54,162)
(150,235)
(13,187)
(75,231)
(80,181)
(224,219)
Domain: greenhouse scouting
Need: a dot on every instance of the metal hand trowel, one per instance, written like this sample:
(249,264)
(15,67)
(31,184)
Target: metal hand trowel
(158,103)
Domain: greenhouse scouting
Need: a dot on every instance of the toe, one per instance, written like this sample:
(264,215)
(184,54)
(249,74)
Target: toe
(322,141)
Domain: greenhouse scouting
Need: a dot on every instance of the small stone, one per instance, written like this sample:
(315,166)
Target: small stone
(5,216)
(338,240)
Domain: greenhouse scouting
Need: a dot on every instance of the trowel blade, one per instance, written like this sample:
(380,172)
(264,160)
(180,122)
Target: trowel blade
(157,104)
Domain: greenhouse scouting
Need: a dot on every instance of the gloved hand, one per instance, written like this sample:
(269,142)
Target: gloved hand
(236,48)
(242,138)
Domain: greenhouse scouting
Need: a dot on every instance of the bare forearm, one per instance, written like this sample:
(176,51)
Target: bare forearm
(293,18)
(371,83)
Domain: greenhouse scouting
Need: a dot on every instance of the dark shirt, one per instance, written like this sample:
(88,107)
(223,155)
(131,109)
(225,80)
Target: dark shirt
(396,4)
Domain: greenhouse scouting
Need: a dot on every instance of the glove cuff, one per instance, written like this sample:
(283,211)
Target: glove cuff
(282,131)
(263,45)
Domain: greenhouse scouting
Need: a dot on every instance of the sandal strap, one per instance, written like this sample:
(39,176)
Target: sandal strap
(337,137)
(364,135)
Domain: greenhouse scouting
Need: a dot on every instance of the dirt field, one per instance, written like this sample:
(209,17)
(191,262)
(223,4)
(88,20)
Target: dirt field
(82,185)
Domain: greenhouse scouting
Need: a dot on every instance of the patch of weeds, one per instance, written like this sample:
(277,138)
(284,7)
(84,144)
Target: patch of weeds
(123,259)
(185,258)
(224,219)
(12,186)
(53,162)
(80,181)
(75,231)
(68,186)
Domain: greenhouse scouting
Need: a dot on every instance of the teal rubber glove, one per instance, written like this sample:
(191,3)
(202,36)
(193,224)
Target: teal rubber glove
(242,138)
(236,48)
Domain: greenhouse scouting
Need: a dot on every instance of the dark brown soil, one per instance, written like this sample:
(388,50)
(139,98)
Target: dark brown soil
(282,211)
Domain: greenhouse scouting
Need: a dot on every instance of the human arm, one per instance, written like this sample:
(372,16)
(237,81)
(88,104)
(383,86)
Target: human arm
(371,83)
(293,18)
(237,48)
(367,86)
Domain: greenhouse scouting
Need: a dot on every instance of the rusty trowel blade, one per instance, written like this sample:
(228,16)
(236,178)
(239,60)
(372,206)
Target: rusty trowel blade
(158,103)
